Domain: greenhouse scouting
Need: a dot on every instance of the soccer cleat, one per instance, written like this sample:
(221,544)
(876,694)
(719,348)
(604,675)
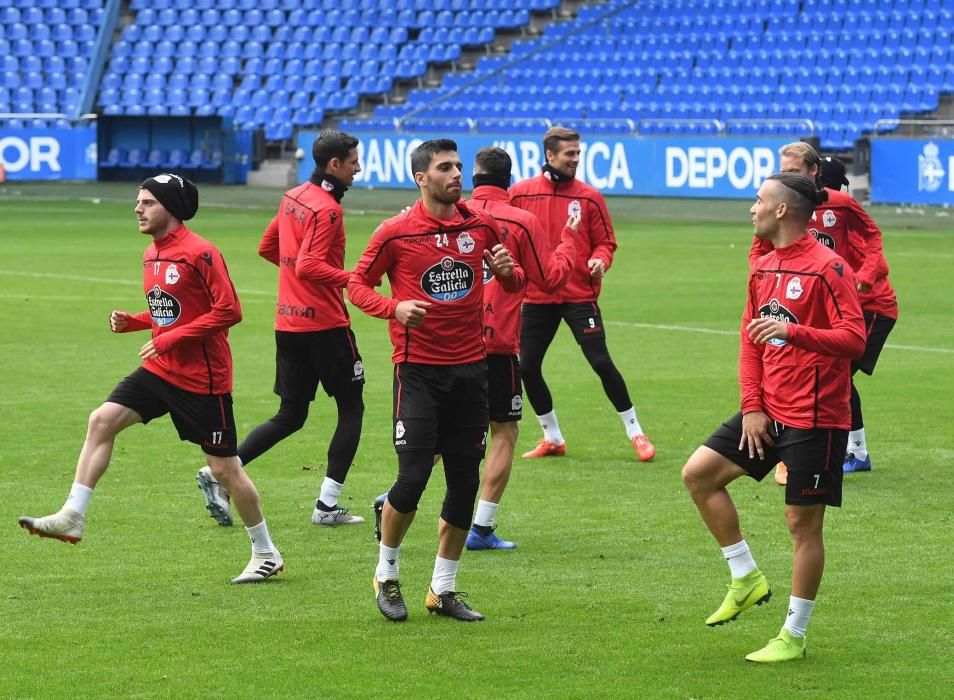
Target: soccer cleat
(477,540)
(216,497)
(751,589)
(545,448)
(261,567)
(451,604)
(784,647)
(781,474)
(645,450)
(378,507)
(333,515)
(65,525)
(390,601)
(853,464)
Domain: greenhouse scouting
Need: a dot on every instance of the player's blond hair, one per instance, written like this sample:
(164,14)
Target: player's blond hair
(802,150)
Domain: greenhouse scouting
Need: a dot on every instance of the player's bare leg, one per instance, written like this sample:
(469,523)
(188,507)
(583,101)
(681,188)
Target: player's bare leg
(497,469)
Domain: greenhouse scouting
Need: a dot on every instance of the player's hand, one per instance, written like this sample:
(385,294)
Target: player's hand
(574,221)
(762,330)
(411,313)
(755,434)
(597,268)
(862,287)
(148,352)
(500,262)
(118,321)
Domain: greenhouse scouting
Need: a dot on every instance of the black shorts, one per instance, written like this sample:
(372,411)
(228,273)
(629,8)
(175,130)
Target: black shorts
(814,458)
(505,394)
(302,360)
(205,419)
(441,409)
(877,328)
(583,318)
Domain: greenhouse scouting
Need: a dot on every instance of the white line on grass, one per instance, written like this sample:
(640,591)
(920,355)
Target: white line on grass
(716,331)
(103,280)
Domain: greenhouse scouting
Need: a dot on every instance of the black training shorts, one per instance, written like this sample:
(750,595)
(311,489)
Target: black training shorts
(205,419)
(440,409)
(542,320)
(302,360)
(877,328)
(814,458)
(504,390)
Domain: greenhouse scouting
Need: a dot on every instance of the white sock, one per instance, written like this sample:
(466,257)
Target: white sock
(330,490)
(739,558)
(261,540)
(388,563)
(551,428)
(78,500)
(631,423)
(445,575)
(857,445)
(486,512)
(799,613)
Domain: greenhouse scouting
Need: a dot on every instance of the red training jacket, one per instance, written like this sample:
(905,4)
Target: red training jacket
(804,381)
(552,203)
(433,260)
(844,226)
(306,239)
(525,239)
(192,304)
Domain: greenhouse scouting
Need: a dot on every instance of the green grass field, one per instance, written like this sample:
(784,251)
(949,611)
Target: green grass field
(615,572)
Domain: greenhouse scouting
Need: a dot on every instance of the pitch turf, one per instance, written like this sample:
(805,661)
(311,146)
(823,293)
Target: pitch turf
(614,574)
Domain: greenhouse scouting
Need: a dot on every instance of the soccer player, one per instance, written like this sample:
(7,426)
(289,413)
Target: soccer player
(551,197)
(801,326)
(186,369)
(433,254)
(524,238)
(844,226)
(313,337)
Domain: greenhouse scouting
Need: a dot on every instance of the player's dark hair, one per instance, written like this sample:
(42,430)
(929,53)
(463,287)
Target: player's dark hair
(422,156)
(800,193)
(557,134)
(332,144)
(492,160)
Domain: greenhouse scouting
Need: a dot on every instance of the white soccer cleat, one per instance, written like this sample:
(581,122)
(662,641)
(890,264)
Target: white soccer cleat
(65,525)
(261,567)
(216,497)
(335,515)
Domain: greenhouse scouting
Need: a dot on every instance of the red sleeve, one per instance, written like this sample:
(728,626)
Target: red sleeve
(516,281)
(225,310)
(268,247)
(750,360)
(548,273)
(874,267)
(311,264)
(758,249)
(602,237)
(374,263)
(138,322)
(846,337)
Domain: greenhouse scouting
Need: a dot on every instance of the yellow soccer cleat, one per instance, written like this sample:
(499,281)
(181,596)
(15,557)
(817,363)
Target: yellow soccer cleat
(751,589)
(784,647)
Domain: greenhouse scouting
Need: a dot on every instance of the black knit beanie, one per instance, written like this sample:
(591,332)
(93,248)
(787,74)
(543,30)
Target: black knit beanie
(177,194)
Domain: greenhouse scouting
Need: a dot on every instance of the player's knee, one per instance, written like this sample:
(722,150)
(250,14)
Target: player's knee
(292,415)
(506,431)
(224,469)
(458,508)
(804,522)
(102,423)
(414,470)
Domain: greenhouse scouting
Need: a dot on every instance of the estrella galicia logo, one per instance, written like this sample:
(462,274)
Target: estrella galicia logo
(823,238)
(777,312)
(163,307)
(488,273)
(449,280)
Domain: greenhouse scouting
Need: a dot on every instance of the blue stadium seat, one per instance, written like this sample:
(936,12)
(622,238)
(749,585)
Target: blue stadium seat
(113,158)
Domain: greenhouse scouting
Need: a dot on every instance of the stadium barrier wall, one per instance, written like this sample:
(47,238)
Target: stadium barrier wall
(731,168)
(912,171)
(48,153)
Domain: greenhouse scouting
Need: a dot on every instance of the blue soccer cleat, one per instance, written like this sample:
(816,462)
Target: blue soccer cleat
(378,507)
(853,464)
(486,540)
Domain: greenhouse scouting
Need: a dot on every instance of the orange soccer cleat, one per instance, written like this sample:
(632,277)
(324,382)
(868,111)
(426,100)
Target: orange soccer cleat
(546,449)
(645,450)
(781,474)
